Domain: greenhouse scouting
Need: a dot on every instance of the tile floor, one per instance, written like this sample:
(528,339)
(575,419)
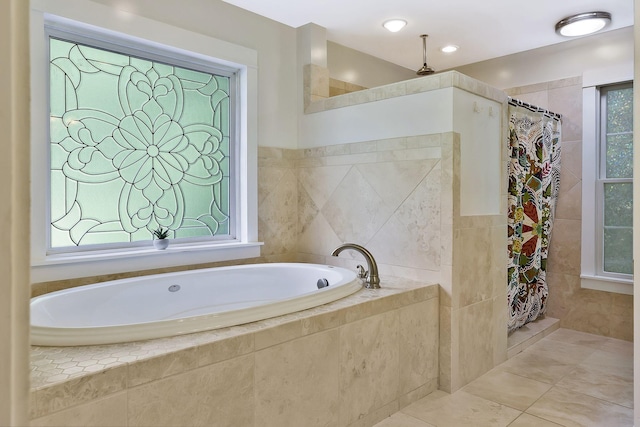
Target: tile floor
(567,378)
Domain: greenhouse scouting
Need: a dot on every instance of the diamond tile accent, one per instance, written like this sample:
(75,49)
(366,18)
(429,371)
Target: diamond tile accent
(355,211)
(394,181)
(320,182)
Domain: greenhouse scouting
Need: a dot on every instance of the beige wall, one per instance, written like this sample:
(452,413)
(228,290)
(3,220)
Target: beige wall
(563,60)
(352,66)
(597,312)
(555,62)
(14,174)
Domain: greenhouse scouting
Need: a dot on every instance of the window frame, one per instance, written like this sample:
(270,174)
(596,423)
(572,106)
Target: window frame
(160,55)
(592,275)
(94,23)
(602,180)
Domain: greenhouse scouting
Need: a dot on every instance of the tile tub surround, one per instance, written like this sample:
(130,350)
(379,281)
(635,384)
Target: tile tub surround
(349,363)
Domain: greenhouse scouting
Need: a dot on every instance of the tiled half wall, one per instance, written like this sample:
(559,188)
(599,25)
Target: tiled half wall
(401,199)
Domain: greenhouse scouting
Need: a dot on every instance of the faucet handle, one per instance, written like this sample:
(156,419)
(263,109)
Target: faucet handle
(362,273)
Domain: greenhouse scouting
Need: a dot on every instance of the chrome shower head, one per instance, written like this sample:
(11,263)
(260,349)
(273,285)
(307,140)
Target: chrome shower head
(425,70)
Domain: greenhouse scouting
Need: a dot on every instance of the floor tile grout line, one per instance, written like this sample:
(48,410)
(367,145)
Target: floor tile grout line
(544,416)
(528,378)
(535,416)
(522,411)
(605,371)
(536,401)
(594,397)
(417,419)
(488,399)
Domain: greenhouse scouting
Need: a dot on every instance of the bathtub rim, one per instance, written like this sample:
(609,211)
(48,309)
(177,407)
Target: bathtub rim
(105,335)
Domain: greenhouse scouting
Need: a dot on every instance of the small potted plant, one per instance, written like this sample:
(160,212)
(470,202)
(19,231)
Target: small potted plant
(161,242)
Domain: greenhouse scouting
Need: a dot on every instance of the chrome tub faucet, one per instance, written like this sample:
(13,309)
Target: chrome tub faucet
(370,276)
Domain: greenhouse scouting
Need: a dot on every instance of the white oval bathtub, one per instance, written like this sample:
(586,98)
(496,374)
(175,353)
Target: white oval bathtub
(181,303)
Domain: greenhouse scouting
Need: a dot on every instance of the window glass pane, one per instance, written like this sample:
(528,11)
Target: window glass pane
(618,250)
(135,144)
(620,155)
(617,197)
(618,204)
(619,110)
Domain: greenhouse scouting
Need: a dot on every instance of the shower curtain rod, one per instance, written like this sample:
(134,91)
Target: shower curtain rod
(531,107)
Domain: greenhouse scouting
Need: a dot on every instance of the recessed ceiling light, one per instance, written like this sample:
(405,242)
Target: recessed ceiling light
(583,24)
(449,48)
(394,25)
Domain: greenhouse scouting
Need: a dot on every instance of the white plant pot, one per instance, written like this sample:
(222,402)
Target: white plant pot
(161,244)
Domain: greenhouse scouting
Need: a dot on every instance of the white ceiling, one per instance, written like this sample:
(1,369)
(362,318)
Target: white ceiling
(483,29)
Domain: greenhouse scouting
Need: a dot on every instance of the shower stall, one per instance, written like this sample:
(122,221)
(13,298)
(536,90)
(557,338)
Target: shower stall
(534,180)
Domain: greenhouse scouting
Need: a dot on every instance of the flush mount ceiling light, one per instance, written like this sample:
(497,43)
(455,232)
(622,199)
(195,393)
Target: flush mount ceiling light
(583,24)
(449,48)
(394,25)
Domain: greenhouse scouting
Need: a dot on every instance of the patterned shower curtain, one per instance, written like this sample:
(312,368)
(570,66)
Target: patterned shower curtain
(534,177)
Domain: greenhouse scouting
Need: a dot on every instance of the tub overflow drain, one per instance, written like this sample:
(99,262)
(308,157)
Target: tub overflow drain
(322,283)
(174,288)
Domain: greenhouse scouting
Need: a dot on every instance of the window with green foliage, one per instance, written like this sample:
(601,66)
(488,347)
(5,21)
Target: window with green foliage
(137,142)
(615,179)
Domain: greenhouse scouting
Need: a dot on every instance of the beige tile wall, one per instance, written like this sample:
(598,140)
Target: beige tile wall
(473,309)
(382,194)
(315,83)
(596,312)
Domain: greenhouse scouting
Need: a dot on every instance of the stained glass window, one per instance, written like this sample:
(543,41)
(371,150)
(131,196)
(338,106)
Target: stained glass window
(137,144)
(616,177)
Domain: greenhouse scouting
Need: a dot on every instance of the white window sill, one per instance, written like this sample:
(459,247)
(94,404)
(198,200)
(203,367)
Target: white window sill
(95,263)
(606,284)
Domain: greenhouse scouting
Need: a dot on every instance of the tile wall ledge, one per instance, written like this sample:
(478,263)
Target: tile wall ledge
(409,87)
(58,371)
